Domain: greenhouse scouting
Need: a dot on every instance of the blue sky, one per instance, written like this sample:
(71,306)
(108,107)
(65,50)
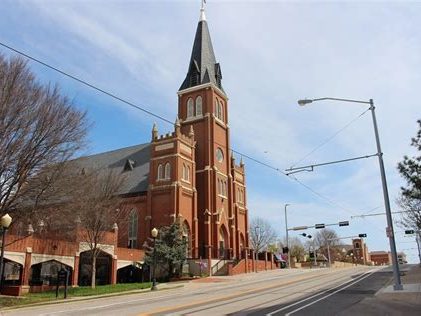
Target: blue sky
(272,53)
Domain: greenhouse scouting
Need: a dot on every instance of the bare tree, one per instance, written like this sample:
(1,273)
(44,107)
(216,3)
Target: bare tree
(97,209)
(262,234)
(323,238)
(38,128)
(411,218)
(410,199)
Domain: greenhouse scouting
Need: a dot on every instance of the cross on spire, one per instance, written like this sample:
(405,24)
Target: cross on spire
(202,11)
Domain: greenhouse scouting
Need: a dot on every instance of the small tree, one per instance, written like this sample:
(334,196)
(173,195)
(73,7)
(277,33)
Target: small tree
(262,234)
(170,250)
(296,248)
(410,199)
(38,128)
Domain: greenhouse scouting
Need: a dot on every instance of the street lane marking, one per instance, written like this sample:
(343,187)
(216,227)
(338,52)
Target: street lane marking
(365,275)
(224,297)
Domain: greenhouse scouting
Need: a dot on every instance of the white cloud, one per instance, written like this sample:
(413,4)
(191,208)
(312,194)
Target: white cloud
(271,54)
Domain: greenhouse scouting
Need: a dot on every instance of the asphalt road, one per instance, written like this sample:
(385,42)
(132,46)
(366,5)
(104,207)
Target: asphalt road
(278,292)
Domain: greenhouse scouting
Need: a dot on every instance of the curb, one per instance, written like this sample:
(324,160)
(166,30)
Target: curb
(163,287)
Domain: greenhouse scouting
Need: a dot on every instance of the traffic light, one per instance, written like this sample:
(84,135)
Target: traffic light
(362,235)
(409,232)
(311,254)
(318,226)
(304,234)
(344,223)
(285,250)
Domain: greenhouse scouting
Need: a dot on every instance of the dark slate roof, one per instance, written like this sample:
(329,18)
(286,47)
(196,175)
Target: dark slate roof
(203,67)
(132,161)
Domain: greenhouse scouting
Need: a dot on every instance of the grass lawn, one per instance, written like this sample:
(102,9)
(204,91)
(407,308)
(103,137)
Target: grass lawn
(72,292)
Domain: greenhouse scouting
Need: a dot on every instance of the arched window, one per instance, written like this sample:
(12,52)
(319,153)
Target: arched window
(220,110)
(186,173)
(186,238)
(199,105)
(216,108)
(133,225)
(190,108)
(160,173)
(167,171)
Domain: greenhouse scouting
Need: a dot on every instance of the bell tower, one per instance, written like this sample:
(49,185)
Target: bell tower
(203,108)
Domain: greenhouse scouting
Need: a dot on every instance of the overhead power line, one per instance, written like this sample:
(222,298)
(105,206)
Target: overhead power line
(90,85)
(329,139)
(143,109)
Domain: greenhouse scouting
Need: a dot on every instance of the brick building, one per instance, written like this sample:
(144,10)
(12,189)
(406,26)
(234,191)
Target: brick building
(189,175)
(379,258)
(360,251)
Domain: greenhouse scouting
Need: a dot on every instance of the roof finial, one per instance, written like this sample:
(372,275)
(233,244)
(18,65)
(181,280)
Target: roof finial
(202,12)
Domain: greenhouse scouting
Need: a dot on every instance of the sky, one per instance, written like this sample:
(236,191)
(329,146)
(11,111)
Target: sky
(272,53)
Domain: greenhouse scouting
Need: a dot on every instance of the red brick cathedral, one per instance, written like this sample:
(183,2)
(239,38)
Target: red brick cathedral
(190,174)
(193,175)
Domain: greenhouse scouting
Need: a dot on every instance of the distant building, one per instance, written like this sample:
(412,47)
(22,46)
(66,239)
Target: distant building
(381,258)
(360,251)
(402,258)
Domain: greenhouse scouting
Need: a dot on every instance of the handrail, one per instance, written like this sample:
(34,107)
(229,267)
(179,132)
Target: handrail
(216,267)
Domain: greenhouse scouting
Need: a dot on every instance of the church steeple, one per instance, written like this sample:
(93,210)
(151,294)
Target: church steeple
(203,67)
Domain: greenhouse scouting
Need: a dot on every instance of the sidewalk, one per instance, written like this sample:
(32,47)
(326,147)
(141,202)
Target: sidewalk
(390,302)
(160,286)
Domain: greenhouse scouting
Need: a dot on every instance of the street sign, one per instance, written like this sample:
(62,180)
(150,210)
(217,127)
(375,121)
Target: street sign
(409,232)
(344,223)
(362,235)
(300,228)
(389,232)
(318,226)
(285,250)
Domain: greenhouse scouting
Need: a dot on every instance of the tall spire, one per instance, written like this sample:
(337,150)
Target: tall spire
(203,67)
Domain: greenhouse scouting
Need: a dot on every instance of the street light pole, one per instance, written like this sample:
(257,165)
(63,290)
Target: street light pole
(314,252)
(389,229)
(5,222)
(286,232)
(256,246)
(328,254)
(154,235)
(391,235)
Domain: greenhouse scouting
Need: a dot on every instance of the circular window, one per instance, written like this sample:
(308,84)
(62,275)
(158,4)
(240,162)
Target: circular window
(219,155)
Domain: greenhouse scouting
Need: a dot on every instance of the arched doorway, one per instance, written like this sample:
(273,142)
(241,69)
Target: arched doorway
(129,274)
(187,239)
(12,273)
(223,242)
(103,268)
(46,273)
(242,245)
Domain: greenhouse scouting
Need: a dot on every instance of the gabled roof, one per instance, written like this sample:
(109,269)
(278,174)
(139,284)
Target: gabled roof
(203,67)
(132,161)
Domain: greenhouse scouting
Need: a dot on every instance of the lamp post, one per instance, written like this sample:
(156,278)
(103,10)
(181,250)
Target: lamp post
(5,222)
(154,234)
(286,232)
(389,229)
(256,246)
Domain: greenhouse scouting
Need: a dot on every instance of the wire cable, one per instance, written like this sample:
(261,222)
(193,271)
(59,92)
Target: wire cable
(330,138)
(143,109)
(90,85)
